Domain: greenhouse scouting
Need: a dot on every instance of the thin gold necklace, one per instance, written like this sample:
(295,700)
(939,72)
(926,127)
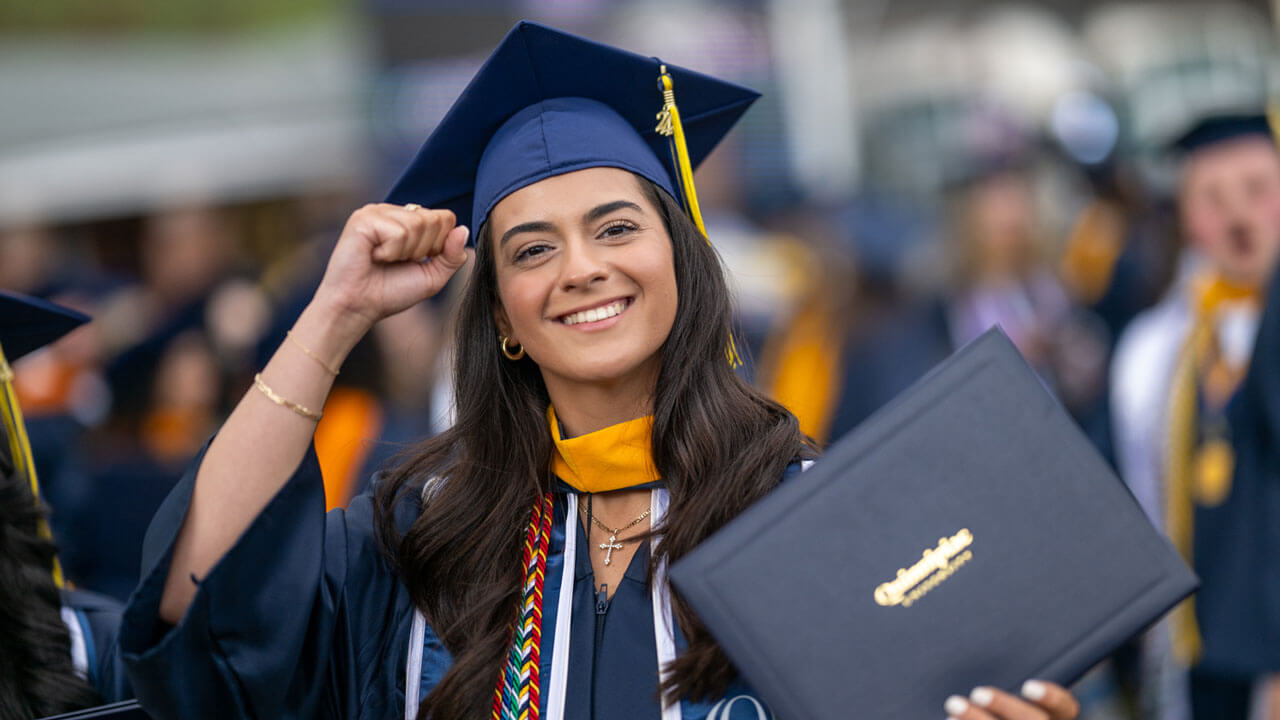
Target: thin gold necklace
(613,543)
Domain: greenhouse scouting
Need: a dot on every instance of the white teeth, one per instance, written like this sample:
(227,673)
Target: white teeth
(595,314)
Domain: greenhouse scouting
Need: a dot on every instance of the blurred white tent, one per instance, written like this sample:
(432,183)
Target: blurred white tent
(1176,62)
(940,92)
(100,126)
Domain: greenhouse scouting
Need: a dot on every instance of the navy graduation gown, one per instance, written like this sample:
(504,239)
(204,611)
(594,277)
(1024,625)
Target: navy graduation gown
(1236,548)
(305,618)
(613,652)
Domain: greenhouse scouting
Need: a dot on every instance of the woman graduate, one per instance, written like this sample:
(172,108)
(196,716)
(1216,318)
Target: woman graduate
(57,646)
(513,567)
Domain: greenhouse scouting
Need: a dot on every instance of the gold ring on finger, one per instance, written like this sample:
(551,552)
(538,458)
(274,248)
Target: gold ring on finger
(412,206)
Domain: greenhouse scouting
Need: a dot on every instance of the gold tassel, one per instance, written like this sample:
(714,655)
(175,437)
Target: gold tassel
(669,125)
(20,450)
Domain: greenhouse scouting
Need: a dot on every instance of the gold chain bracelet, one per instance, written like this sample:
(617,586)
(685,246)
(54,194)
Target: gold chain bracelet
(274,397)
(307,351)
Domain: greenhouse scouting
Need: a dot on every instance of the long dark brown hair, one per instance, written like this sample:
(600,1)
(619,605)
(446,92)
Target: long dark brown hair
(718,444)
(37,676)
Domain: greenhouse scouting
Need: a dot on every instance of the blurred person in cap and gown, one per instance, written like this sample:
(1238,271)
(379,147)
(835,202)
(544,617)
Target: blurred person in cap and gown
(62,388)
(1117,260)
(1003,274)
(846,353)
(59,645)
(506,569)
(183,256)
(859,334)
(1196,409)
(114,481)
(167,373)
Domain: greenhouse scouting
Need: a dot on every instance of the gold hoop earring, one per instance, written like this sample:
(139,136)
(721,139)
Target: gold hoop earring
(507,351)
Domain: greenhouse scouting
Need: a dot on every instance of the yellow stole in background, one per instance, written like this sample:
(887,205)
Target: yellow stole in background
(613,458)
(1195,473)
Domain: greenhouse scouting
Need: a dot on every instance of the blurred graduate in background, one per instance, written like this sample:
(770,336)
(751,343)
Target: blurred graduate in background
(862,335)
(60,652)
(1196,410)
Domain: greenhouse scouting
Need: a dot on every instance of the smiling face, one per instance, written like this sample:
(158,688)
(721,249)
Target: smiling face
(1230,206)
(586,277)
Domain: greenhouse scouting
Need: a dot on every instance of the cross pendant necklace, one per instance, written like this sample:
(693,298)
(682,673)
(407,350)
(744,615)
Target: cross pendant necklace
(609,547)
(613,543)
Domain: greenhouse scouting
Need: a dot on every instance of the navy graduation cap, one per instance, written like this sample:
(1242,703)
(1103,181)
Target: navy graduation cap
(547,103)
(1214,129)
(28,323)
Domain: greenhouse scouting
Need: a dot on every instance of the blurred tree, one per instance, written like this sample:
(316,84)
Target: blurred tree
(167,15)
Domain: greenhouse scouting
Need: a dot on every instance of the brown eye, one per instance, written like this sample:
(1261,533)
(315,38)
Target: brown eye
(531,252)
(617,229)
(1258,186)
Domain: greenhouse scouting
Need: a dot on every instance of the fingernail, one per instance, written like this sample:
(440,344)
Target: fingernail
(982,696)
(955,705)
(1034,690)
(466,233)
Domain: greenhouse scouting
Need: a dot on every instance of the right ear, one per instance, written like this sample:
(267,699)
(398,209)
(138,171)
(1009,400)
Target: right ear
(500,319)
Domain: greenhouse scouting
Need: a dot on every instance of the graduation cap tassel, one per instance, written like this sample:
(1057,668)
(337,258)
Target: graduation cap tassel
(670,126)
(20,449)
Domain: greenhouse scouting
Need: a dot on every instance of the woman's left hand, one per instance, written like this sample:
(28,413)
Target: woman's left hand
(1040,701)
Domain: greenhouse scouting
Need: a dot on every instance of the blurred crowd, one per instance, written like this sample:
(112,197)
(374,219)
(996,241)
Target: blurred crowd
(914,175)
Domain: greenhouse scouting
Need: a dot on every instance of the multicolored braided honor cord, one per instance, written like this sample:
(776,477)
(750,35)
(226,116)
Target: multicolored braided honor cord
(516,696)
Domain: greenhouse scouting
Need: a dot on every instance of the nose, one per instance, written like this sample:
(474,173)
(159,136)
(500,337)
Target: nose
(582,266)
(1237,207)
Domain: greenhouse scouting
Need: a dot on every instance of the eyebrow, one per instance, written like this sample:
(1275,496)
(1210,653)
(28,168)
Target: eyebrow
(600,211)
(592,215)
(539,226)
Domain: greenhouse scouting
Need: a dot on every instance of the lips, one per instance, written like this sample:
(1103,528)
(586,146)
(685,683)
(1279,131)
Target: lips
(596,314)
(1241,241)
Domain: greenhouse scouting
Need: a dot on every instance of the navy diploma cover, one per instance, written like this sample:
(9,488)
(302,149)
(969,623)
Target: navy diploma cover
(968,534)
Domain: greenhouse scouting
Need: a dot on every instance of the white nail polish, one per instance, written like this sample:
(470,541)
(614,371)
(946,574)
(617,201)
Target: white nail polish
(1034,690)
(955,705)
(982,696)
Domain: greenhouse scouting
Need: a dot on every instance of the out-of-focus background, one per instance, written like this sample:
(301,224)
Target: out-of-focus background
(917,170)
